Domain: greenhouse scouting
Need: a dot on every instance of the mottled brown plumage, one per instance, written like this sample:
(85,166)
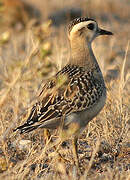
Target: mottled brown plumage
(71,90)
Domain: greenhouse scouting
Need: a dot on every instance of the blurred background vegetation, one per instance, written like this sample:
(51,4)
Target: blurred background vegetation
(33,47)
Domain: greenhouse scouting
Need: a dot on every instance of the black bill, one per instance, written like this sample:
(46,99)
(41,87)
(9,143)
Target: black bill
(104,32)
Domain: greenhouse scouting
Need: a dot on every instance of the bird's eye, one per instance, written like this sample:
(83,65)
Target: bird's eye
(90,26)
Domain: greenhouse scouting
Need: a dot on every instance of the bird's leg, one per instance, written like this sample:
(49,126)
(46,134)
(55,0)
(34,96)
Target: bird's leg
(56,147)
(75,150)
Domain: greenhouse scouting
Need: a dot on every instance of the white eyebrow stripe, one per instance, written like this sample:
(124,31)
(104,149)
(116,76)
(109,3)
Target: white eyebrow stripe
(79,26)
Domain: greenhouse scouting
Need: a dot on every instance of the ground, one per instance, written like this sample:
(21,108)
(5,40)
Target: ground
(33,47)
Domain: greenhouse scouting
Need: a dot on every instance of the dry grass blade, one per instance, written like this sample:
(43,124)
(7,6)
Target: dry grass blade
(92,159)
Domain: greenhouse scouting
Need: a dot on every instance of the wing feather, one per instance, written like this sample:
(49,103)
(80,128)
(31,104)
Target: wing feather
(63,94)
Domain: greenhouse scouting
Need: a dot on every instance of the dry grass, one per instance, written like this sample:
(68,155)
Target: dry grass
(30,56)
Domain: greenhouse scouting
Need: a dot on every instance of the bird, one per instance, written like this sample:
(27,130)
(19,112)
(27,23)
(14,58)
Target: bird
(77,93)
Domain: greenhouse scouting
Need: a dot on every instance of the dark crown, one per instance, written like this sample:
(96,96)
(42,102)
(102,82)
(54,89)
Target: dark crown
(76,21)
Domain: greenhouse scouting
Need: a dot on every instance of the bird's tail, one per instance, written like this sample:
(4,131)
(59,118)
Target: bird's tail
(25,128)
(29,125)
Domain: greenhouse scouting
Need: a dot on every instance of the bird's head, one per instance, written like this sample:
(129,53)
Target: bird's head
(85,28)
